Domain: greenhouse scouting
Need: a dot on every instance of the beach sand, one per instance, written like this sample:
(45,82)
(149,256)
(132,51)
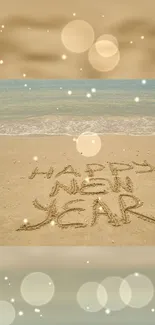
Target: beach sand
(18,192)
(30,38)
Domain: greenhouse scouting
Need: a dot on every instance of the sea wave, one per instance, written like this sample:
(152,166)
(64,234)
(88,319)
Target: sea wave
(74,127)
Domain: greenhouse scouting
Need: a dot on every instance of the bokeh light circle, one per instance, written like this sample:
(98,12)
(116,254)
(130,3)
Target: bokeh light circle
(100,62)
(106,48)
(7,313)
(87,297)
(37,289)
(112,287)
(77,36)
(108,37)
(140,290)
(88,144)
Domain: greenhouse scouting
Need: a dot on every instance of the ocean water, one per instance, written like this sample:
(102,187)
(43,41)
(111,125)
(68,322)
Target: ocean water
(44,107)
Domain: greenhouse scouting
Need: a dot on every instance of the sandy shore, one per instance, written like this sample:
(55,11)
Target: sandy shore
(91,219)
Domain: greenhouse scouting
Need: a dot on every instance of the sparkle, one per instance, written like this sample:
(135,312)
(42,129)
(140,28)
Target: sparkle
(142,37)
(100,208)
(87,262)
(131,42)
(74,139)
(41,315)
(1,61)
(102,16)
(64,56)
(107,311)
(35,158)
(9,283)
(57,107)
(29,88)
(93,90)
(81,69)
(52,223)
(74,14)
(60,88)
(12,300)
(6,278)
(93,141)
(143,81)
(136,274)
(50,283)
(69,92)
(0,31)
(2,26)
(153,310)
(87,179)
(99,198)
(24,75)
(87,307)
(25,85)
(25,221)
(20,313)
(88,95)
(137,99)
(37,310)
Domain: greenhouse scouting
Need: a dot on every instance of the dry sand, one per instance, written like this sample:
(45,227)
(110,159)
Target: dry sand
(18,191)
(30,41)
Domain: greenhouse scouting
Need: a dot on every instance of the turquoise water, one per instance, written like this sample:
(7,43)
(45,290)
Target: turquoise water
(45,107)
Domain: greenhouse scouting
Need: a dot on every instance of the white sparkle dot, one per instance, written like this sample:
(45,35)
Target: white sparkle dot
(137,99)
(99,198)
(87,307)
(74,139)
(93,141)
(87,262)
(61,88)
(152,310)
(41,315)
(74,14)
(37,310)
(52,223)
(24,75)
(29,88)
(87,179)
(88,95)
(1,61)
(35,158)
(25,85)
(107,311)
(143,81)
(2,26)
(6,278)
(81,69)
(136,274)
(142,37)
(100,208)
(25,221)
(93,90)
(9,283)
(69,92)
(64,56)
(12,300)
(20,313)
(131,42)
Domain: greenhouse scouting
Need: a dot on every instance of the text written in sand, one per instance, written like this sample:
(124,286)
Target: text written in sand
(97,186)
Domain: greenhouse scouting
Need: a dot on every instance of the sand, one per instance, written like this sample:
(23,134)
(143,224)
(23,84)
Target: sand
(93,221)
(31,43)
